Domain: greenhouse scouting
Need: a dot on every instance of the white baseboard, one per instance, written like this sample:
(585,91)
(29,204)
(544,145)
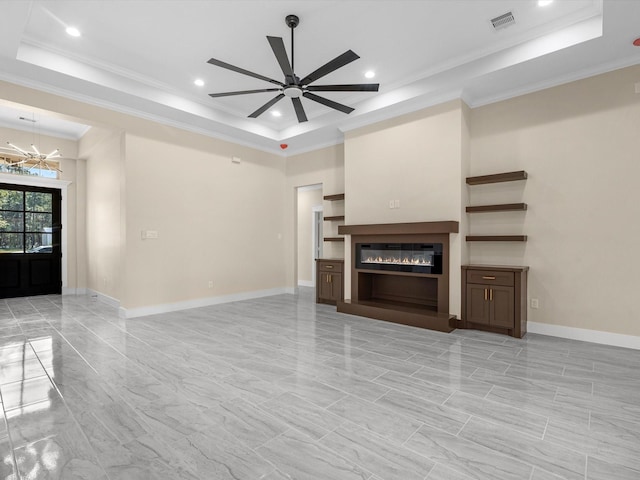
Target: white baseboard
(593,336)
(201,302)
(114,302)
(306,283)
(74,291)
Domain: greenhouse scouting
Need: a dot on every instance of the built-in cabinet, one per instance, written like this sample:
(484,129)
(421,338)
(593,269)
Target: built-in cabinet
(494,298)
(329,281)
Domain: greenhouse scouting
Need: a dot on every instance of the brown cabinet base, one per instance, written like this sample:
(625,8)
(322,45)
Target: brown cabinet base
(329,282)
(494,299)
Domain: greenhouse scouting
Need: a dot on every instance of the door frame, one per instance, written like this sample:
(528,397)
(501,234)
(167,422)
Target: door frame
(62,185)
(314,245)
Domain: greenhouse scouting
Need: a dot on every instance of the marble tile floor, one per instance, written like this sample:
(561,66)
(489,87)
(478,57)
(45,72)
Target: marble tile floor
(281,388)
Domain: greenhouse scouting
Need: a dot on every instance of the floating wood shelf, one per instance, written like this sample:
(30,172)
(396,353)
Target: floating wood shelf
(496,238)
(417,228)
(505,207)
(335,218)
(497,178)
(337,196)
(334,239)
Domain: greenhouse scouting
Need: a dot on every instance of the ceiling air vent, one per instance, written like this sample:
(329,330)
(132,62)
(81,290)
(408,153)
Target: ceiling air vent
(503,21)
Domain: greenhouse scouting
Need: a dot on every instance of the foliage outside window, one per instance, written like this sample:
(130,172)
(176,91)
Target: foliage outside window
(8,165)
(26,222)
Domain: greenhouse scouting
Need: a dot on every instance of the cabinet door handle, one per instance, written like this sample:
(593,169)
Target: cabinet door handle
(491,295)
(485,293)
(329,278)
(489,277)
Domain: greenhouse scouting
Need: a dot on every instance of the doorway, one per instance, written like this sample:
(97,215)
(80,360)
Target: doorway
(30,241)
(309,232)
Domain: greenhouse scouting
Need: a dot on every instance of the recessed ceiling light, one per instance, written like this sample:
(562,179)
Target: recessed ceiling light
(276,113)
(544,3)
(370,74)
(199,82)
(73,31)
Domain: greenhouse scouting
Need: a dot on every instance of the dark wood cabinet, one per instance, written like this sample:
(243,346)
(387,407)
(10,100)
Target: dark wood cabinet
(329,281)
(495,299)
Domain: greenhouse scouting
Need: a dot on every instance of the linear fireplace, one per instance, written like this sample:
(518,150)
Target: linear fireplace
(400,273)
(400,257)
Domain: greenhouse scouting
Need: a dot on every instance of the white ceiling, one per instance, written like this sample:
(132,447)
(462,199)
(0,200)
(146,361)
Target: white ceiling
(141,57)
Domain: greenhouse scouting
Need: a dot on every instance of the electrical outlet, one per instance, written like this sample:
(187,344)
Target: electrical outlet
(396,203)
(210,284)
(535,303)
(391,204)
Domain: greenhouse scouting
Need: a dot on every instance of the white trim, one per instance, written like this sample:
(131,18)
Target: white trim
(114,302)
(74,291)
(582,334)
(200,302)
(314,234)
(306,283)
(308,188)
(35,181)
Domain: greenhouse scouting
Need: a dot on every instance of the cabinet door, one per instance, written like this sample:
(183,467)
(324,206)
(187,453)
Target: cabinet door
(478,304)
(336,283)
(325,290)
(502,307)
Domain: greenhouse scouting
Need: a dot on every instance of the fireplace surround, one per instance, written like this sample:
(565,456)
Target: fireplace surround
(400,273)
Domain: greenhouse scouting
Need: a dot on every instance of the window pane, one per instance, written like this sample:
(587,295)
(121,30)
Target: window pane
(38,202)
(11,243)
(38,243)
(38,222)
(10,200)
(11,222)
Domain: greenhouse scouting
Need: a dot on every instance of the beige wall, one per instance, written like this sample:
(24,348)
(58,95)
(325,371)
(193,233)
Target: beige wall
(103,158)
(418,160)
(580,144)
(307,200)
(68,165)
(324,166)
(216,220)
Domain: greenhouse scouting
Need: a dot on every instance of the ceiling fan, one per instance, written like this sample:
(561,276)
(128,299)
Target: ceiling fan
(293,87)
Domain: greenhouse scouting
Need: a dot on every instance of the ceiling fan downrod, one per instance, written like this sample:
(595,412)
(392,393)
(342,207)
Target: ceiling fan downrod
(292,22)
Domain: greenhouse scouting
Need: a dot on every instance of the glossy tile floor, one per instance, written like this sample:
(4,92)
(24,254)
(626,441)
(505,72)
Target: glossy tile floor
(281,388)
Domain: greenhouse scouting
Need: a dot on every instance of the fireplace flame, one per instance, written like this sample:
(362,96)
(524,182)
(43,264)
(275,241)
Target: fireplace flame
(399,261)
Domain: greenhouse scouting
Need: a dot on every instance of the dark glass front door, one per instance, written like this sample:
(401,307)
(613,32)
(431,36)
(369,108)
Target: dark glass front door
(30,233)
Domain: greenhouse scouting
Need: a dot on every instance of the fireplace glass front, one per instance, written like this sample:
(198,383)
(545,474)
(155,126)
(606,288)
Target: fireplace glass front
(400,257)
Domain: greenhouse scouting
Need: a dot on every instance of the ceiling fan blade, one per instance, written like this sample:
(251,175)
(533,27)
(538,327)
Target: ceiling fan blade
(228,66)
(277,45)
(358,87)
(242,92)
(297,104)
(267,106)
(340,61)
(328,103)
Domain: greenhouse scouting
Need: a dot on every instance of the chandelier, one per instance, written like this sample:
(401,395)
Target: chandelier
(33,159)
